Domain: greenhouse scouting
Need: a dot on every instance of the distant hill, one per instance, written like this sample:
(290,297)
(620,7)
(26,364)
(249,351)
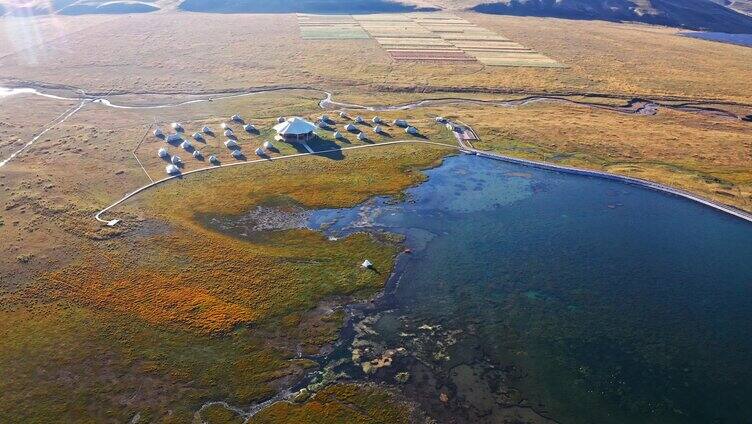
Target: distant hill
(299,6)
(701,15)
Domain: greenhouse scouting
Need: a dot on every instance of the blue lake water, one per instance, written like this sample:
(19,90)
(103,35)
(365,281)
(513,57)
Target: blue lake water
(541,296)
(722,37)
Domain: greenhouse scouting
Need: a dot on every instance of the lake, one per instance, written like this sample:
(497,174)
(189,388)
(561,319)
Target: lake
(722,37)
(542,296)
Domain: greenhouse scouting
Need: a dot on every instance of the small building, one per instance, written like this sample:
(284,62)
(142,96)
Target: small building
(237,154)
(377,129)
(376,120)
(231,144)
(260,152)
(412,130)
(229,133)
(206,130)
(186,145)
(295,130)
(197,154)
(158,133)
(249,128)
(176,160)
(359,119)
(174,138)
(401,123)
(213,159)
(236,118)
(338,136)
(351,128)
(163,153)
(362,136)
(172,169)
(198,136)
(268,145)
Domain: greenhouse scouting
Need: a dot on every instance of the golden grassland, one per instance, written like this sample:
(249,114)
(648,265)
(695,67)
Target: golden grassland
(257,50)
(176,314)
(706,155)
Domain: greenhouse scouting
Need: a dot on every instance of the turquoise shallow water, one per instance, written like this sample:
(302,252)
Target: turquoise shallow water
(543,296)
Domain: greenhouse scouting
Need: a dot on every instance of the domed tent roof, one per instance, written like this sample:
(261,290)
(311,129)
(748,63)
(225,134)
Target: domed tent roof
(295,126)
(177,126)
(163,153)
(249,128)
(359,119)
(176,160)
(376,120)
(260,152)
(196,154)
(338,135)
(231,144)
(172,169)
(362,136)
(197,136)
(206,130)
(400,123)
(343,114)
(236,118)
(377,129)
(268,145)
(213,159)
(367,264)
(351,127)
(186,145)
(237,154)
(411,130)
(158,132)
(224,125)
(229,133)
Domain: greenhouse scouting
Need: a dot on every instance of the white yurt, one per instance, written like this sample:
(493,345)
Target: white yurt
(249,128)
(224,126)
(343,114)
(206,130)
(213,159)
(236,118)
(231,144)
(229,133)
(163,153)
(377,129)
(324,118)
(376,120)
(400,123)
(362,136)
(281,119)
(196,154)
(176,160)
(440,119)
(359,119)
(322,125)
(186,145)
(351,128)
(367,264)
(411,130)
(260,152)
(268,145)
(338,135)
(198,136)
(177,126)
(158,133)
(172,169)
(237,154)
(174,138)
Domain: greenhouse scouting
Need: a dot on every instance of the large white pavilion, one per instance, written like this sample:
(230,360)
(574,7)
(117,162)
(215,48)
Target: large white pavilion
(295,130)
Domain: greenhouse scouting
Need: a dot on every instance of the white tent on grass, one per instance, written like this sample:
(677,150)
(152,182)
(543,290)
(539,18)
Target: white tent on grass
(249,128)
(343,114)
(377,129)
(163,153)
(359,119)
(400,123)
(213,159)
(351,128)
(362,136)
(158,133)
(236,118)
(231,144)
(186,145)
(338,135)
(411,130)
(177,126)
(237,154)
(295,129)
(376,120)
(367,264)
(268,145)
(260,152)
(198,136)
(206,130)
(176,160)
(197,154)
(229,133)
(172,169)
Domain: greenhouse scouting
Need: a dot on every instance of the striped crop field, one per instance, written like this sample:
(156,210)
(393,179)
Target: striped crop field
(426,36)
